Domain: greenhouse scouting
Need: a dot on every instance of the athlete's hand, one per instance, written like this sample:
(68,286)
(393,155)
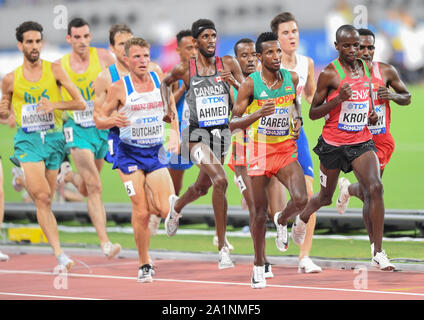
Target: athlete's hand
(373,117)
(4,109)
(296,125)
(169,116)
(227,76)
(345,92)
(44,106)
(268,108)
(383,93)
(120,120)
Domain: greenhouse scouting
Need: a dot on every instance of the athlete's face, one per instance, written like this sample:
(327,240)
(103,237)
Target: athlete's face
(348,46)
(31,45)
(138,59)
(206,42)
(288,36)
(119,47)
(271,55)
(80,39)
(246,57)
(366,48)
(187,48)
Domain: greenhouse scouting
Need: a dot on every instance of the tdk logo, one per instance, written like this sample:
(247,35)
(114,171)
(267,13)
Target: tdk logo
(357,106)
(147,120)
(212,100)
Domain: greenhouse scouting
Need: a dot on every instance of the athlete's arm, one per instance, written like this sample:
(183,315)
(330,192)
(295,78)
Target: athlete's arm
(327,81)
(105,57)
(244,96)
(178,91)
(233,75)
(297,114)
(310,85)
(63,80)
(106,117)
(155,68)
(101,84)
(6,98)
(176,74)
(401,96)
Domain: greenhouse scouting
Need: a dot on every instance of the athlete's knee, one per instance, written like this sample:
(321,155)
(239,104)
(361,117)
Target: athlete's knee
(42,198)
(140,217)
(93,185)
(201,189)
(375,190)
(300,200)
(325,199)
(220,182)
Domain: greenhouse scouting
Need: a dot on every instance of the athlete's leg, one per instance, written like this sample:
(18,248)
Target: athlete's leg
(39,182)
(1,194)
(160,184)
(88,169)
(177,179)
(305,248)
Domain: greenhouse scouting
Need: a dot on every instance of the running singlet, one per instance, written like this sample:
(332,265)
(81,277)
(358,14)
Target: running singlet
(208,98)
(275,128)
(145,113)
(27,94)
(182,109)
(346,124)
(301,69)
(84,82)
(382,107)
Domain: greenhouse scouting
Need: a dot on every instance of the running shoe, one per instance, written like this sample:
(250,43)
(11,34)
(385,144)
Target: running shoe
(65,262)
(111,250)
(381,261)
(145,273)
(65,168)
(17,172)
(224,259)
(258,277)
(172,220)
(268,271)
(3,256)
(282,239)
(306,265)
(298,231)
(229,245)
(344,196)
(154,222)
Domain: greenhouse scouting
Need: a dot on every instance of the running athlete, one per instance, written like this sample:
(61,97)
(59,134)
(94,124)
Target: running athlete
(285,27)
(86,143)
(186,50)
(275,120)
(32,90)
(343,98)
(245,53)
(208,79)
(140,153)
(383,77)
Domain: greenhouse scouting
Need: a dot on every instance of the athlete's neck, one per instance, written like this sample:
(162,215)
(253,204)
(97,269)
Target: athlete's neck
(122,67)
(288,60)
(30,65)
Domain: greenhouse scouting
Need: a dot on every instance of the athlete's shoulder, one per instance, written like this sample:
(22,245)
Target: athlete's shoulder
(105,57)
(104,76)
(8,79)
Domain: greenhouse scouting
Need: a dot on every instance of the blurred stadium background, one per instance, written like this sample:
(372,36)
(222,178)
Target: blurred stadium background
(398,25)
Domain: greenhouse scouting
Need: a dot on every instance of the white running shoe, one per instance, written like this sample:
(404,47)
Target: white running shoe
(65,262)
(154,222)
(65,168)
(298,231)
(268,271)
(3,256)
(381,261)
(229,245)
(111,250)
(145,273)
(171,221)
(282,239)
(17,172)
(344,196)
(224,259)
(308,266)
(258,278)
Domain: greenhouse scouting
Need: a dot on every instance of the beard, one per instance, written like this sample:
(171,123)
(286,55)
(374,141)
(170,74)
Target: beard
(206,54)
(30,57)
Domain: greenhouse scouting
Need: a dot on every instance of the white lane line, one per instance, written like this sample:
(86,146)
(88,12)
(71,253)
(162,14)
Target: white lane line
(212,282)
(43,296)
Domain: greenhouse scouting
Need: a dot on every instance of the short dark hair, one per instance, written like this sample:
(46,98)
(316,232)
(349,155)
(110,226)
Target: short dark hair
(344,28)
(117,28)
(366,32)
(281,18)
(182,34)
(265,37)
(28,26)
(76,23)
(200,25)
(135,42)
(243,40)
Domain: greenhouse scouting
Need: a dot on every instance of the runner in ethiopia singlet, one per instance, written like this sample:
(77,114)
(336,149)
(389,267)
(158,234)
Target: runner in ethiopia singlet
(382,137)
(209,103)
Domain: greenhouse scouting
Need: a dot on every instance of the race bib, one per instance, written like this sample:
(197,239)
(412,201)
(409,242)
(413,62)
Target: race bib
(69,134)
(84,118)
(148,129)
(212,110)
(380,126)
(33,121)
(353,115)
(277,124)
